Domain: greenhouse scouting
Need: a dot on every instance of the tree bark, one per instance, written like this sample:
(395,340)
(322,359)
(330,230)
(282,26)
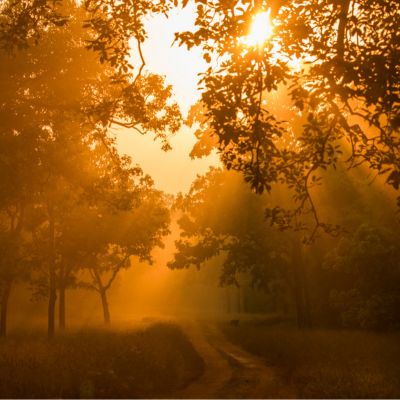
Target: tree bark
(241,299)
(102,290)
(340,44)
(228,300)
(298,298)
(52,276)
(61,307)
(306,296)
(4,308)
(106,309)
(301,295)
(16,225)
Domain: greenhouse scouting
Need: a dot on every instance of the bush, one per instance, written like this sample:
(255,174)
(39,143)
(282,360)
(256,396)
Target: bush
(366,270)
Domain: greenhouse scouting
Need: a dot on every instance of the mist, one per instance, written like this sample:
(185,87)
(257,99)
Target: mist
(199,199)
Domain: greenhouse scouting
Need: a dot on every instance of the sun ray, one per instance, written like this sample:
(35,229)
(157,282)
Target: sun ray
(261,29)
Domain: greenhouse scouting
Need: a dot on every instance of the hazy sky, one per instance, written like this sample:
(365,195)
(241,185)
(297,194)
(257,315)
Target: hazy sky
(172,171)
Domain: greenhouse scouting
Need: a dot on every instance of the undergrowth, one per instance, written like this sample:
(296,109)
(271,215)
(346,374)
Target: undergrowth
(326,363)
(142,363)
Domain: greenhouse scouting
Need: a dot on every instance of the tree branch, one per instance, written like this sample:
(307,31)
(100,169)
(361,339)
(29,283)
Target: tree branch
(115,272)
(139,46)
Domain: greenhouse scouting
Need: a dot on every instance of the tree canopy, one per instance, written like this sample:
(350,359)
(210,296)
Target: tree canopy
(317,90)
(58,160)
(335,61)
(338,64)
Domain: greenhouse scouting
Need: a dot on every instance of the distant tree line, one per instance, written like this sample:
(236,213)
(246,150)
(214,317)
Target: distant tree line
(346,281)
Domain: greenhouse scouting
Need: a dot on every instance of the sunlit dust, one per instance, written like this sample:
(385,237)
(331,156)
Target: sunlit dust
(261,29)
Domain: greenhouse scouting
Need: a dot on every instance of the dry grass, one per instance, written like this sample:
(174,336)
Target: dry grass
(145,363)
(327,363)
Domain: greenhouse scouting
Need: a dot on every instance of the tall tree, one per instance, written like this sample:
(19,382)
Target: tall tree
(112,234)
(63,100)
(344,87)
(221,216)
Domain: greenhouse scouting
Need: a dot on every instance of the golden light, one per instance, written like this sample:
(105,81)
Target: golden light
(261,29)
(295,64)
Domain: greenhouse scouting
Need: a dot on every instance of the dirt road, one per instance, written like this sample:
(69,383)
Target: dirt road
(230,372)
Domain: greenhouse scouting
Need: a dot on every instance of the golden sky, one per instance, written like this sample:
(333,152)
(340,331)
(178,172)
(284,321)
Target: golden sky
(172,171)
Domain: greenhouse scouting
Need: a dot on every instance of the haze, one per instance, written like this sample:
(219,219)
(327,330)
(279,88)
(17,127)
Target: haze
(214,219)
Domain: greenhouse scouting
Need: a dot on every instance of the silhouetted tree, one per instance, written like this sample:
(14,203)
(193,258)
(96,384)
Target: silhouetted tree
(345,92)
(119,234)
(366,273)
(58,102)
(221,216)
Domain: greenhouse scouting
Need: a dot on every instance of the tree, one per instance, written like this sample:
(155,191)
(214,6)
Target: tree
(220,216)
(333,64)
(119,234)
(58,103)
(342,82)
(22,22)
(346,92)
(19,180)
(366,271)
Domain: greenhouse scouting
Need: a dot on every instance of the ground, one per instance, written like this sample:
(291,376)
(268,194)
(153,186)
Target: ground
(189,358)
(230,371)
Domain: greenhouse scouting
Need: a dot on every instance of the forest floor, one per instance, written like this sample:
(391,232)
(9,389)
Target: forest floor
(188,358)
(149,361)
(324,363)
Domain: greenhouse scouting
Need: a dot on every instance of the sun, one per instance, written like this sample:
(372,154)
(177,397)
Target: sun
(261,29)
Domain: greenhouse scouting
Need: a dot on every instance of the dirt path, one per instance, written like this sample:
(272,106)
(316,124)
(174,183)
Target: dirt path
(230,372)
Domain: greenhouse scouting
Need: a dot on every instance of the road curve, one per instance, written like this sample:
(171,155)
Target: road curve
(230,372)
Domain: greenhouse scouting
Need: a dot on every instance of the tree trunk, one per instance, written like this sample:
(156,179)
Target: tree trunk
(61,307)
(102,290)
(240,298)
(306,297)
(228,300)
(243,298)
(300,287)
(106,310)
(4,308)
(298,298)
(62,289)
(52,277)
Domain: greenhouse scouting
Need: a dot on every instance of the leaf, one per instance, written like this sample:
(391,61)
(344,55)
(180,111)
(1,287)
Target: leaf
(394,179)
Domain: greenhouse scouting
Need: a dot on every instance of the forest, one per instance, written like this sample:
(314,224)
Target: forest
(213,218)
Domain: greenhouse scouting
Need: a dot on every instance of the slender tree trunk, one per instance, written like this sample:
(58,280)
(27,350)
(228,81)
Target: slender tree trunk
(238,300)
(16,225)
(297,283)
(298,298)
(106,309)
(103,295)
(300,287)
(306,296)
(52,276)
(5,295)
(61,307)
(228,300)
(62,289)
(242,304)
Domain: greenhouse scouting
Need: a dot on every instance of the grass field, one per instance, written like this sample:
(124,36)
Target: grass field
(142,363)
(326,363)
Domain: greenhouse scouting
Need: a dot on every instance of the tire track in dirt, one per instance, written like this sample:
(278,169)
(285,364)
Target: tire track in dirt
(230,371)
